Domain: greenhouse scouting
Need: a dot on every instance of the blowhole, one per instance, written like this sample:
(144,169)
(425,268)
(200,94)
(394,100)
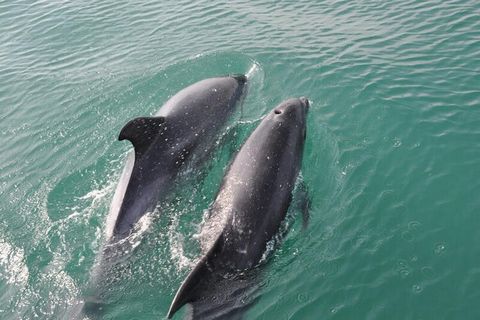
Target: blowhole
(278,112)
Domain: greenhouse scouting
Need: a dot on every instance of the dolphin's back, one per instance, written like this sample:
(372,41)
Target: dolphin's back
(248,211)
(184,128)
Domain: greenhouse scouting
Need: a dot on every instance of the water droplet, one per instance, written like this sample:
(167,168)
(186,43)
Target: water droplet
(414,225)
(440,249)
(404,273)
(403,269)
(416,288)
(301,297)
(397,143)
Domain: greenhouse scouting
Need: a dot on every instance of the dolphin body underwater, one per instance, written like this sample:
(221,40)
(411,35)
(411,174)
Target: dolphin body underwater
(246,215)
(182,133)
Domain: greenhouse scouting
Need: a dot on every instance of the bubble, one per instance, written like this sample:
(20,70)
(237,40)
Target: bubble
(440,249)
(416,288)
(397,143)
(302,297)
(414,225)
(403,269)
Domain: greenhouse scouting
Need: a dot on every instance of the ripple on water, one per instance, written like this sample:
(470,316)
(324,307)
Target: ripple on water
(393,139)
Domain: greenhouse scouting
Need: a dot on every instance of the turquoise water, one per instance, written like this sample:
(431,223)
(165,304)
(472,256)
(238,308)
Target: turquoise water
(391,160)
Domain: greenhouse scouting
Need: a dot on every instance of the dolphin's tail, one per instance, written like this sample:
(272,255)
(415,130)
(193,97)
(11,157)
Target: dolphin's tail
(94,302)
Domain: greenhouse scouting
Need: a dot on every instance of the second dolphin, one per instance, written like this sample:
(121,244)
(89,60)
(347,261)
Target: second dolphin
(248,212)
(183,130)
(182,133)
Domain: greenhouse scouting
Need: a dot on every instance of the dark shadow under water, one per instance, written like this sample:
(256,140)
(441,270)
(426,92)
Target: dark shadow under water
(112,266)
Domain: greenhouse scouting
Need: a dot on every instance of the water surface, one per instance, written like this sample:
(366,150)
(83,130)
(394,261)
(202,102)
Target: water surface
(391,158)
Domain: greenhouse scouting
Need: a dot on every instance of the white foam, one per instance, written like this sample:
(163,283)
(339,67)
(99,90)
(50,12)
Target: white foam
(139,229)
(253,70)
(12,264)
(177,252)
(96,195)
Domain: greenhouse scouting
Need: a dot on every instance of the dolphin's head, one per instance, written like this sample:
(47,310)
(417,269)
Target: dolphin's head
(206,103)
(195,117)
(294,108)
(232,88)
(293,112)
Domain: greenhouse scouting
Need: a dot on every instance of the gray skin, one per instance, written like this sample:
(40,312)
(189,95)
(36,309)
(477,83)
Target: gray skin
(248,212)
(183,131)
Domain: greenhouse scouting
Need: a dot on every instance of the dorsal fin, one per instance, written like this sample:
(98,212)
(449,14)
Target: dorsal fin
(192,283)
(141,132)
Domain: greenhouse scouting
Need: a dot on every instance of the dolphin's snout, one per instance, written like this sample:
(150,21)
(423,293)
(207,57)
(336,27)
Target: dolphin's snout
(305,102)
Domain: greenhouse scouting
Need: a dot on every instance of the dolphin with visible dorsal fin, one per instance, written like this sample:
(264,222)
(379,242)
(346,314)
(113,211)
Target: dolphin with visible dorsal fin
(246,215)
(183,132)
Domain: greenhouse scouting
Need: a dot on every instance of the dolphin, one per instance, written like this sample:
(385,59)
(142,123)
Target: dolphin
(181,134)
(182,131)
(246,215)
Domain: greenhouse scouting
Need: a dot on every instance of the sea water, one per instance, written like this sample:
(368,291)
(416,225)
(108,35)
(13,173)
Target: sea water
(391,160)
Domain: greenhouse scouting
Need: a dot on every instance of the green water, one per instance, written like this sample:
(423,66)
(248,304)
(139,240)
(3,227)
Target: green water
(391,160)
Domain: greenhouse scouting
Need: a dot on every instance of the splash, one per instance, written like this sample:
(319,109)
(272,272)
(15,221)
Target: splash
(12,264)
(254,69)
(135,237)
(177,251)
